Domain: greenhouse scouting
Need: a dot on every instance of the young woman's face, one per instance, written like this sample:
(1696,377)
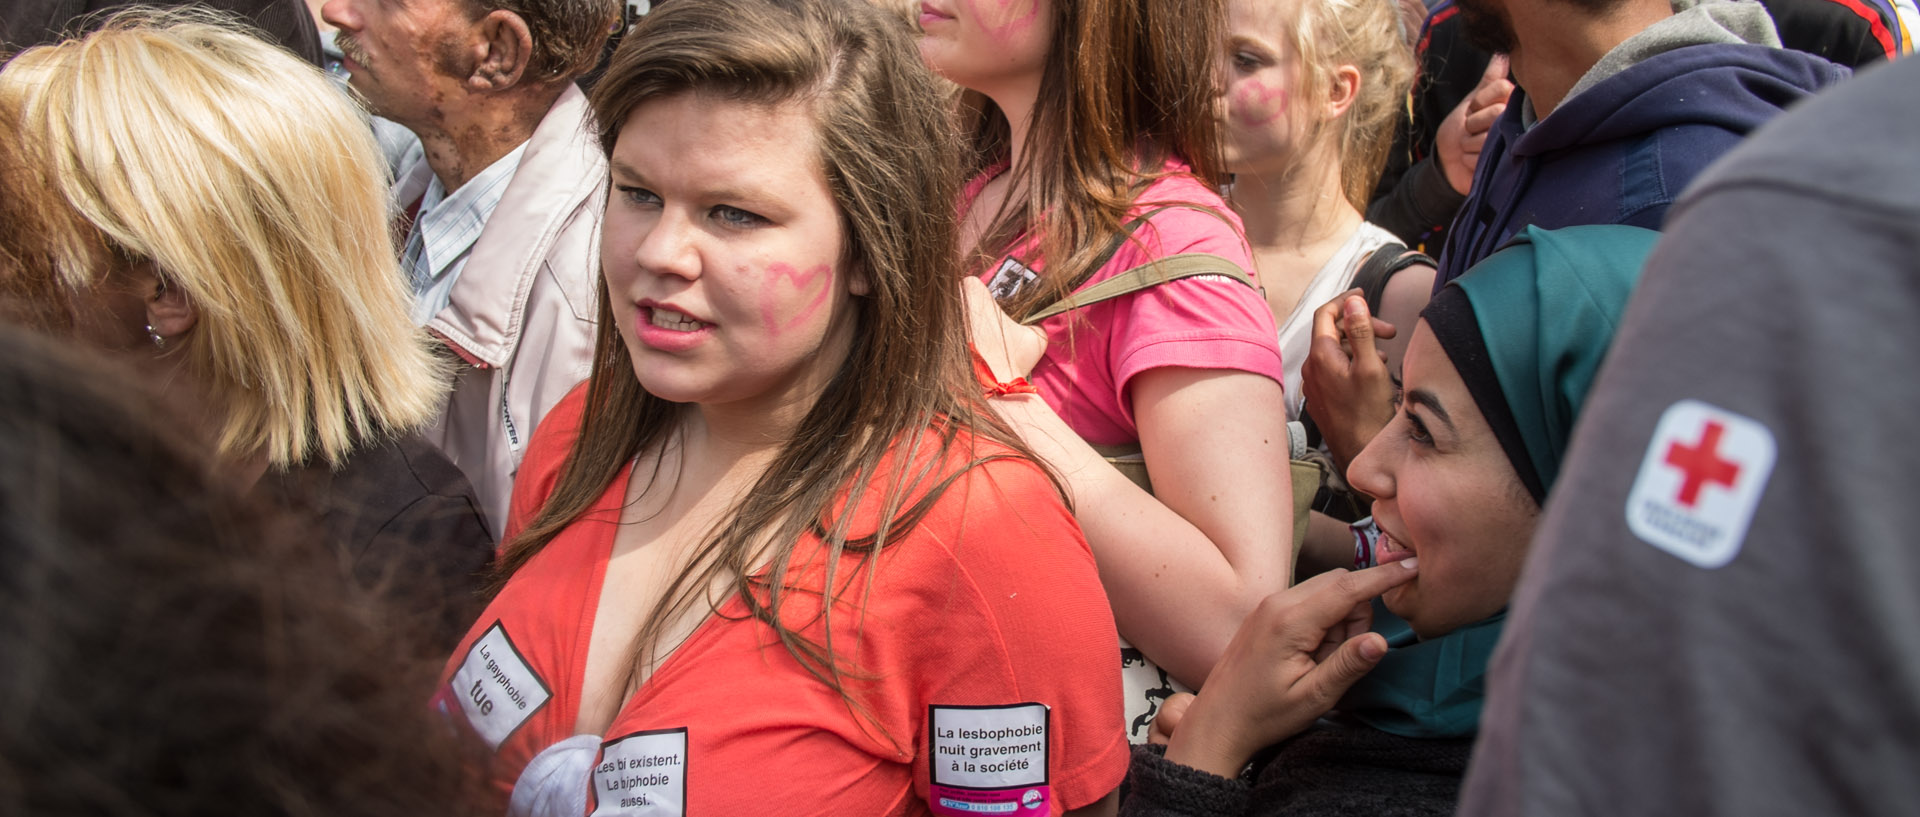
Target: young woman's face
(1444,490)
(723,253)
(1262,72)
(986,44)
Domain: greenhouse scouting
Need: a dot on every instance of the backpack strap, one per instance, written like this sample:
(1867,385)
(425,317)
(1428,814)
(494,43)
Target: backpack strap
(1126,232)
(1113,247)
(1145,276)
(1378,269)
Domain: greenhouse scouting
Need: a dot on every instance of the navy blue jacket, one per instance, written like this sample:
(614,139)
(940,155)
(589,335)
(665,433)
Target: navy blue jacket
(1621,151)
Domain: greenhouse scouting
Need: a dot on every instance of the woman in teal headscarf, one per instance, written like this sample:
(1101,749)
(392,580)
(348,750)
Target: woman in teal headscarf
(1495,374)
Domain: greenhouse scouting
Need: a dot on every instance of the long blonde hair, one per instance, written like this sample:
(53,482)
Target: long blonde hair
(888,151)
(1366,35)
(253,184)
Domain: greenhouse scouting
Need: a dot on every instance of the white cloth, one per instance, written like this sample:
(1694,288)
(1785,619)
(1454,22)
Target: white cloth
(445,228)
(555,782)
(1296,332)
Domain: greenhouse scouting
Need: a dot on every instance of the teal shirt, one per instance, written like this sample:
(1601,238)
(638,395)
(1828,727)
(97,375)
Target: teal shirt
(1425,689)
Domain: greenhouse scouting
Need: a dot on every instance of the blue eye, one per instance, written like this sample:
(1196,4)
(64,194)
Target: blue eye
(638,195)
(737,217)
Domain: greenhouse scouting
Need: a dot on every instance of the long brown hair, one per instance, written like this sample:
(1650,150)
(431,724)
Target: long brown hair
(888,151)
(1126,86)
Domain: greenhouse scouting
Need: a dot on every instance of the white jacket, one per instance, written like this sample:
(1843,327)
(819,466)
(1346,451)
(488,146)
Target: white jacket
(522,313)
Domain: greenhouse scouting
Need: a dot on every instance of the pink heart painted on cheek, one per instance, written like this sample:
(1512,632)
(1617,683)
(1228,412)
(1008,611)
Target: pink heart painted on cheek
(818,277)
(1255,104)
(1013,16)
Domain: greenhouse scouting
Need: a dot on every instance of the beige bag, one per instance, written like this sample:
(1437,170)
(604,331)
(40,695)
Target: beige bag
(1307,475)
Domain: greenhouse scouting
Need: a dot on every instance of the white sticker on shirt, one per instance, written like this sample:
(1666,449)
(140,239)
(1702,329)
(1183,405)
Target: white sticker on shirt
(642,775)
(495,687)
(1700,482)
(1008,280)
(988,759)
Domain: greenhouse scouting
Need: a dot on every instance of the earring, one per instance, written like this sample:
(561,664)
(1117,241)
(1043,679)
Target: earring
(158,341)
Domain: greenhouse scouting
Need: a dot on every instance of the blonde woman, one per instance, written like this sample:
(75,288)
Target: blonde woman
(1313,89)
(221,219)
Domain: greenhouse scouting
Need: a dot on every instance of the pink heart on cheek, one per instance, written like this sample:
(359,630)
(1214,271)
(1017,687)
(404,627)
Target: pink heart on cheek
(1013,15)
(1255,104)
(816,278)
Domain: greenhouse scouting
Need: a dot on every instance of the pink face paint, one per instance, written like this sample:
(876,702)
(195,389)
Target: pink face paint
(1254,104)
(817,278)
(1003,18)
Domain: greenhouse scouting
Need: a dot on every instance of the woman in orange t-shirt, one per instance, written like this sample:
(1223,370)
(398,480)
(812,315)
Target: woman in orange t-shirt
(775,555)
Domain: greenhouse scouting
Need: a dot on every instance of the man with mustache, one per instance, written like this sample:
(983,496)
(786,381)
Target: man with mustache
(500,200)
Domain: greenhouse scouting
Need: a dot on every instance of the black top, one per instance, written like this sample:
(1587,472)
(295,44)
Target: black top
(407,522)
(27,23)
(1335,768)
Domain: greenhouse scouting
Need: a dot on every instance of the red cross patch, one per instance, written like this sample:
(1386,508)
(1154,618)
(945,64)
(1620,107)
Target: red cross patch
(1699,483)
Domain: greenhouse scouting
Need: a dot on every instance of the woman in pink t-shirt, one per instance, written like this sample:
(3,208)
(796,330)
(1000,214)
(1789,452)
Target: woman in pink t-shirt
(1094,148)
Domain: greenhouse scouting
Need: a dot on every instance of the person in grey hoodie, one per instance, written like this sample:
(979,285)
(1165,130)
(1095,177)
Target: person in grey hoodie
(1719,619)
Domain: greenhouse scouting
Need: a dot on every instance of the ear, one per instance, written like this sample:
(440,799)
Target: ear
(1346,89)
(858,284)
(169,311)
(506,48)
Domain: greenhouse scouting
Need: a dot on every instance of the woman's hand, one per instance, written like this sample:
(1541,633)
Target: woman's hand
(1344,379)
(1010,350)
(1288,664)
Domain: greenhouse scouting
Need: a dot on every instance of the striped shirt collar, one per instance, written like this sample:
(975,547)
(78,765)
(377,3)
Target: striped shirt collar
(446,228)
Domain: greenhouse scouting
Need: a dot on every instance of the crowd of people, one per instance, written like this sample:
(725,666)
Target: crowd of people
(1153,407)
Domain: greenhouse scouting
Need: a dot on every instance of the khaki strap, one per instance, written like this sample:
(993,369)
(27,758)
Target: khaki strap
(1127,459)
(1307,477)
(1145,276)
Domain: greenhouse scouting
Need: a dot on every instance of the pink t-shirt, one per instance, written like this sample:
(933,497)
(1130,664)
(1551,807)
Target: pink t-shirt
(1205,322)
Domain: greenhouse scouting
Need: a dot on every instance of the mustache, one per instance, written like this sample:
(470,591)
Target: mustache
(350,48)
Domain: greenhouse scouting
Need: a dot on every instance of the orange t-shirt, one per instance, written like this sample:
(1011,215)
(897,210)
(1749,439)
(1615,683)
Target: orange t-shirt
(980,665)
